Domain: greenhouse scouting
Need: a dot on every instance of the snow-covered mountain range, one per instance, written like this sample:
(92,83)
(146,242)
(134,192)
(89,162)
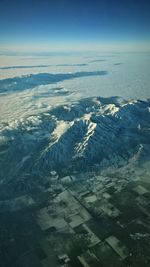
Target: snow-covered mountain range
(99,132)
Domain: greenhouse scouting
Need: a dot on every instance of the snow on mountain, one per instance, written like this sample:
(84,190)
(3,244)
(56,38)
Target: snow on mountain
(94,131)
(91,133)
(101,131)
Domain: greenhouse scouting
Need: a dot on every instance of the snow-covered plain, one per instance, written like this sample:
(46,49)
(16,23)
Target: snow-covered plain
(61,112)
(70,77)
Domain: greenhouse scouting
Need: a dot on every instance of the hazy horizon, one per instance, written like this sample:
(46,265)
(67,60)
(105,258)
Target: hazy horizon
(62,25)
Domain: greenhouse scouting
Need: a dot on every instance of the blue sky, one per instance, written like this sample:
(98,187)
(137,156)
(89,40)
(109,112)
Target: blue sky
(73,23)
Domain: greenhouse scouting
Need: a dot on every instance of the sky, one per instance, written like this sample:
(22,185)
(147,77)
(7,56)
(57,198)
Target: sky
(44,25)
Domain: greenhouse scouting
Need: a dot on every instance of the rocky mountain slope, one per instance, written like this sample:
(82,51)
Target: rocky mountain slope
(99,132)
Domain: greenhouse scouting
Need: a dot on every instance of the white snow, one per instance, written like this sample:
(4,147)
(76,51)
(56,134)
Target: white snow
(129,80)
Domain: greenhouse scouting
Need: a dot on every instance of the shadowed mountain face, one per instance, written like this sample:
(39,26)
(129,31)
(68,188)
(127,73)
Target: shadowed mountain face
(33,80)
(100,132)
